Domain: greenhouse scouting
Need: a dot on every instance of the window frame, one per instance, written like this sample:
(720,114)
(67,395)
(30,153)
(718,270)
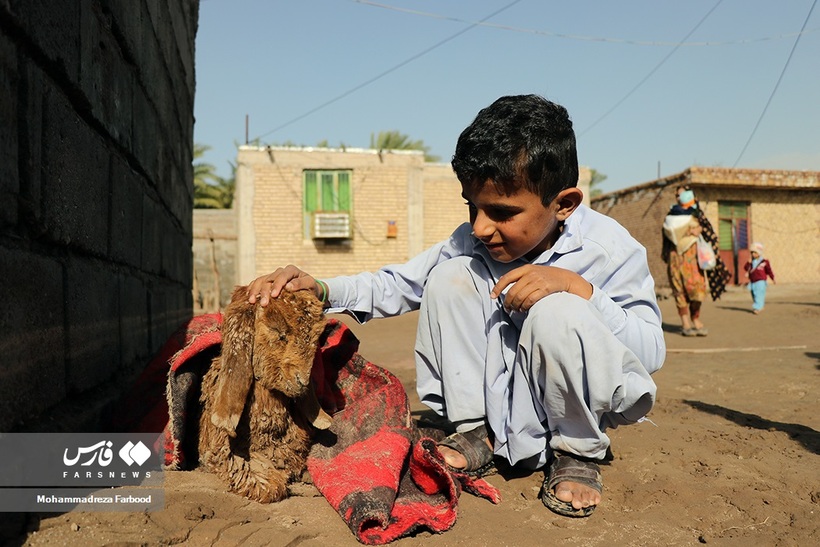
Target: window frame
(326,191)
(729,217)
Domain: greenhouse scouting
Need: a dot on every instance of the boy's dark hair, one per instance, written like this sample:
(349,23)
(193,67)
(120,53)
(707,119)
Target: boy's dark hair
(519,141)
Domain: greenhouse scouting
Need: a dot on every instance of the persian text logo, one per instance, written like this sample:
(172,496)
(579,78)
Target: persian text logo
(101,452)
(135,453)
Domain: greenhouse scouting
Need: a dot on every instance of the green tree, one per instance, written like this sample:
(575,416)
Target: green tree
(595,179)
(394,140)
(210,190)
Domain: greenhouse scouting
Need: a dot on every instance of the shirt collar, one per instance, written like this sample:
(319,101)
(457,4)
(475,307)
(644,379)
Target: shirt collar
(570,239)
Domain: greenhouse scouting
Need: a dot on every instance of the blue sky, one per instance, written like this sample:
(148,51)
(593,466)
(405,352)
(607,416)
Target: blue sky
(652,86)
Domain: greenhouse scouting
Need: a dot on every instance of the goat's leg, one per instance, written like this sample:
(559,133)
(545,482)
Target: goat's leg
(257,478)
(263,482)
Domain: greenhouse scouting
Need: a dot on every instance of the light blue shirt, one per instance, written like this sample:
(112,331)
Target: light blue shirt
(591,244)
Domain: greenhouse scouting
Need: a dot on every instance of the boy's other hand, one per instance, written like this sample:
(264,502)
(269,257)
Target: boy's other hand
(530,283)
(290,278)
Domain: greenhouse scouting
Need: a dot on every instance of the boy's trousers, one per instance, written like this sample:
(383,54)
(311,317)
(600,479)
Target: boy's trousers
(758,289)
(553,378)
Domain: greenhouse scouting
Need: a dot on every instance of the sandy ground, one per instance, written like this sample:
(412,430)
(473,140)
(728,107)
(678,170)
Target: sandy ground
(731,457)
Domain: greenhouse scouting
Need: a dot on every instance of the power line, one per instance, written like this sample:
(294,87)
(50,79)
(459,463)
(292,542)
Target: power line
(776,85)
(576,36)
(386,72)
(651,72)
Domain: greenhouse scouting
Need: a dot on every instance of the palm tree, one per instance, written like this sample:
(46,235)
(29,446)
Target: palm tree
(596,178)
(210,190)
(393,140)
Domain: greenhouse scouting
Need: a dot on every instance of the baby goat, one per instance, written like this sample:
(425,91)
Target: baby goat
(258,404)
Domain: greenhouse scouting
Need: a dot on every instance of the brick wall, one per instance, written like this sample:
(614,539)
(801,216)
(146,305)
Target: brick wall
(96,102)
(784,214)
(385,187)
(444,208)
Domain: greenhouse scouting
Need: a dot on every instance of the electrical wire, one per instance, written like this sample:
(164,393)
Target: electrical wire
(576,36)
(651,72)
(776,85)
(386,72)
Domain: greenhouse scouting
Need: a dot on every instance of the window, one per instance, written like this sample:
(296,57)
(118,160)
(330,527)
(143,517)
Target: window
(733,227)
(327,204)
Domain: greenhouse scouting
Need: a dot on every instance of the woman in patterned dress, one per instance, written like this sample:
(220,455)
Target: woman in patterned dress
(684,223)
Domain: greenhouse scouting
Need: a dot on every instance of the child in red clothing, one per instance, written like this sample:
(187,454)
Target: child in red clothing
(758,270)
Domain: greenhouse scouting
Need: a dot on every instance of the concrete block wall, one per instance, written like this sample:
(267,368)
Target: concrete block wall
(269,196)
(444,208)
(784,214)
(96,103)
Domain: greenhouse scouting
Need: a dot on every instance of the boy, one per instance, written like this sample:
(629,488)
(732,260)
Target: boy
(758,269)
(538,325)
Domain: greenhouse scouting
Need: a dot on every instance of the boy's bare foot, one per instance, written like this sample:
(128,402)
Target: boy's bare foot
(579,495)
(572,486)
(470,452)
(456,459)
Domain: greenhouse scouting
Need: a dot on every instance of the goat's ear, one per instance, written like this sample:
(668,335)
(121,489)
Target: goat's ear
(236,370)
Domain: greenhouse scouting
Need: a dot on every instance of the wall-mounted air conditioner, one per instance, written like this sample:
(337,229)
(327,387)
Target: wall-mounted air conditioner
(331,225)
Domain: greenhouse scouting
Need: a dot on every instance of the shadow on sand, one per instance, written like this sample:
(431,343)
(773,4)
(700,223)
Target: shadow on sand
(806,436)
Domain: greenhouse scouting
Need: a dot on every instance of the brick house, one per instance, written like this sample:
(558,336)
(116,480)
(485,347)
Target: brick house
(780,209)
(330,211)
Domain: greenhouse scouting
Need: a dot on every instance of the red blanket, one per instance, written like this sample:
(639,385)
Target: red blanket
(383,475)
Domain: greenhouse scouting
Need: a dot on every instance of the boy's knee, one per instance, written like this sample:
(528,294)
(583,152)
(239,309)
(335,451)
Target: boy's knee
(558,312)
(452,278)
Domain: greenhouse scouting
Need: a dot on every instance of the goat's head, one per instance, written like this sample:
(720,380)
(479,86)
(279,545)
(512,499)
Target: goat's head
(274,345)
(285,341)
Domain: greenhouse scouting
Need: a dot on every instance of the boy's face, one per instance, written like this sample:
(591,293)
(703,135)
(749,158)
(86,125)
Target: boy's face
(511,226)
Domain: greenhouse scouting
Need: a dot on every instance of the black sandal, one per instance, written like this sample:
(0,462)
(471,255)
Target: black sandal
(473,446)
(566,467)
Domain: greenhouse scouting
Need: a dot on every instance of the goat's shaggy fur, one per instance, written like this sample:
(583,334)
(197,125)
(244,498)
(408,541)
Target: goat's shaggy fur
(257,401)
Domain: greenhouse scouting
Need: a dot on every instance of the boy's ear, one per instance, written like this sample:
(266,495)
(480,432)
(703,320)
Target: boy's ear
(567,201)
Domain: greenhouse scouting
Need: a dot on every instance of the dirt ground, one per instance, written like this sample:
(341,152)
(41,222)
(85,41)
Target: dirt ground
(731,456)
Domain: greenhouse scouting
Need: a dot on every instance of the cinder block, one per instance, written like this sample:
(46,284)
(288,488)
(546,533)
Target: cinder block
(181,18)
(32,336)
(170,309)
(75,178)
(145,135)
(127,191)
(93,313)
(135,350)
(151,235)
(30,139)
(178,189)
(54,28)
(105,77)
(9,181)
(128,18)
(177,259)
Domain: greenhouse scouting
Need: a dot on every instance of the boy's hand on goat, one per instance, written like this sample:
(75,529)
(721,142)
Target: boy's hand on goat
(290,278)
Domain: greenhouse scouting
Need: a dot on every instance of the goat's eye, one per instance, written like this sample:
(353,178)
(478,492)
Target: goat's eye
(282,336)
